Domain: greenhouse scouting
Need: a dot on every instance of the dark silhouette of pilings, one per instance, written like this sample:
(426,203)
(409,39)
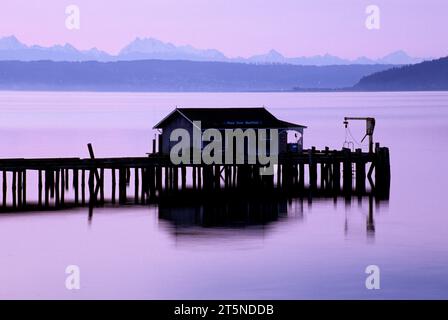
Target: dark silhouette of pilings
(311,171)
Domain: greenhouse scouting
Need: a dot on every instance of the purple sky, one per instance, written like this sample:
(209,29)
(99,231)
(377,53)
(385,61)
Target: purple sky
(238,28)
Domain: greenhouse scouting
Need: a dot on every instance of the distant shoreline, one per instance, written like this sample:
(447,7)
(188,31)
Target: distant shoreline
(211,92)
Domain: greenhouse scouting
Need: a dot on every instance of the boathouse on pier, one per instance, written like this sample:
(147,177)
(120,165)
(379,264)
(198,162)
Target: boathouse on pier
(290,135)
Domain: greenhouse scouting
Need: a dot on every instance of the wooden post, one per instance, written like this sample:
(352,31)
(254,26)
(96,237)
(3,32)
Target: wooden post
(313,169)
(101,185)
(158,170)
(75,185)
(47,188)
(66,178)
(4,188)
(51,181)
(83,186)
(92,156)
(183,170)
(279,174)
(91,182)
(19,188)
(136,184)
(128,176)
(24,187)
(322,175)
(63,184)
(14,188)
(114,183)
(360,173)
(122,177)
(151,176)
(57,186)
(217,177)
(382,172)
(40,188)
(336,175)
(301,176)
(193,170)
(175,178)
(167,179)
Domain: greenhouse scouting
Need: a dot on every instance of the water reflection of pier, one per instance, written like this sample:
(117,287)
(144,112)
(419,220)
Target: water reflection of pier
(215,217)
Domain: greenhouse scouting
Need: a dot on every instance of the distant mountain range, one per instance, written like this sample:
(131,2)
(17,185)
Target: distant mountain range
(149,48)
(425,76)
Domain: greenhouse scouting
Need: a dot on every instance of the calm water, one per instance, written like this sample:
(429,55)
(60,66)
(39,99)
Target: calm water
(304,250)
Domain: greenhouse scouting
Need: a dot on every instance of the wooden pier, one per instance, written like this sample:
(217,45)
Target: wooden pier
(338,172)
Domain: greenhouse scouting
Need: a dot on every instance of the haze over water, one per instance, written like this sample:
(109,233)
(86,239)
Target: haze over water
(305,249)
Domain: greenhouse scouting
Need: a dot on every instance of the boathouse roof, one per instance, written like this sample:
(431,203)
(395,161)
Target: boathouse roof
(222,118)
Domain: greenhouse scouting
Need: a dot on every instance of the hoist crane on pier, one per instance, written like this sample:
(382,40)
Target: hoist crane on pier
(370,127)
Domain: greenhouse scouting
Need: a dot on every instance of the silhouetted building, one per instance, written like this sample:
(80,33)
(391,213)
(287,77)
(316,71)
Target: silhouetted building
(290,135)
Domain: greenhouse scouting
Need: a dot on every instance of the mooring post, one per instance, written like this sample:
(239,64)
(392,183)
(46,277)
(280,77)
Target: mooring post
(382,171)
